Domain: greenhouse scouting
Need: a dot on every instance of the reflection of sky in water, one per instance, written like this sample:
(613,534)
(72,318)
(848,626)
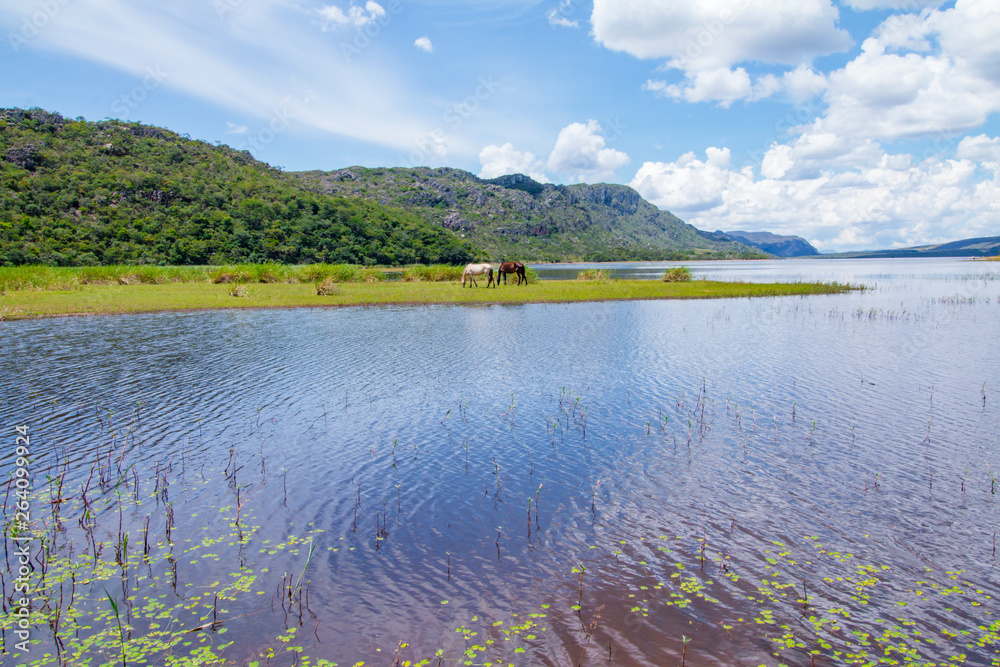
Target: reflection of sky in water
(742,421)
(867,271)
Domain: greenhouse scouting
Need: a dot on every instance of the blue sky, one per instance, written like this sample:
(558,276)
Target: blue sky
(855,124)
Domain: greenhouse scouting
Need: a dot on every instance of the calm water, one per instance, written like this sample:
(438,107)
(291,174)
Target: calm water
(695,469)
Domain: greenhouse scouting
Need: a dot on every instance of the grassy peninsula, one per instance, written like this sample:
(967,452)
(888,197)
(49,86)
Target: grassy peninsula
(33,292)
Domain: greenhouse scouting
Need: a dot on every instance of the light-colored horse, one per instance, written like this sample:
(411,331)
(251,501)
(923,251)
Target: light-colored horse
(473,270)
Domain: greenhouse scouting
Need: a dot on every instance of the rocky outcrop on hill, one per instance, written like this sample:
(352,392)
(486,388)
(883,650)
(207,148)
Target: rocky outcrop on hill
(516,216)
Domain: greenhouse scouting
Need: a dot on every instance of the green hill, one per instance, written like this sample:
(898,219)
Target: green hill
(110,192)
(515,216)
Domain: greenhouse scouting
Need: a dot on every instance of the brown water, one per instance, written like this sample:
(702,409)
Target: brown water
(700,473)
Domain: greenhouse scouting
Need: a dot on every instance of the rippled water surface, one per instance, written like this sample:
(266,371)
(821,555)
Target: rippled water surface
(710,481)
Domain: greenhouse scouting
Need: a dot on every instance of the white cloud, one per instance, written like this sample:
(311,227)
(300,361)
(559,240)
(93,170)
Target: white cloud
(706,40)
(979,149)
(424,44)
(813,154)
(803,83)
(242,67)
(688,185)
(935,74)
(502,160)
(580,154)
(715,34)
(890,201)
(333,16)
(721,85)
(233,128)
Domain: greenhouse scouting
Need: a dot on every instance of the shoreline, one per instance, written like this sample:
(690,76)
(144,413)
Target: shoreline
(100,299)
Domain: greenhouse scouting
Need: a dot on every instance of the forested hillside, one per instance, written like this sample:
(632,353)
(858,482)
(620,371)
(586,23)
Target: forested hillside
(74,192)
(515,216)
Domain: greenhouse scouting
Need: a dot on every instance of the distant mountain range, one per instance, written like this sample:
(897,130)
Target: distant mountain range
(979,247)
(779,246)
(795,246)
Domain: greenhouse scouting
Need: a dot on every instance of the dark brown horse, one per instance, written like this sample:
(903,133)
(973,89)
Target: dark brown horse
(511,267)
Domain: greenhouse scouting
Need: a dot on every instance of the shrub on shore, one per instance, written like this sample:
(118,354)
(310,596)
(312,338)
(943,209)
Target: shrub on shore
(679,274)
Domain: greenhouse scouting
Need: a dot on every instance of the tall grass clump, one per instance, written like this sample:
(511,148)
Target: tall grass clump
(14,278)
(327,287)
(432,273)
(270,272)
(678,274)
(594,275)
(35,277)
(138,275)
(339,273)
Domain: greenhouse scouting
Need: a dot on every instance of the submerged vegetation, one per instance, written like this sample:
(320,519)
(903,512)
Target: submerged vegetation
(117,575)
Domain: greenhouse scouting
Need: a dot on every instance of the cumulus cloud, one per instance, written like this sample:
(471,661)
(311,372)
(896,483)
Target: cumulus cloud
(688,185)
(918,76)
(723,86)
(715,34)
(814,153)
(333,16)
(706,40)
(890,201)
(580,153)
(979,149)
(803,82)
(502,160)
(424,44)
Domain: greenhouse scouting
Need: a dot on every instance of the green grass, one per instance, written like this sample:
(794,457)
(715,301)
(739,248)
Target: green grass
(66,295)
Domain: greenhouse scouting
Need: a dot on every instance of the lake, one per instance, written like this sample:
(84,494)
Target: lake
(806,480)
